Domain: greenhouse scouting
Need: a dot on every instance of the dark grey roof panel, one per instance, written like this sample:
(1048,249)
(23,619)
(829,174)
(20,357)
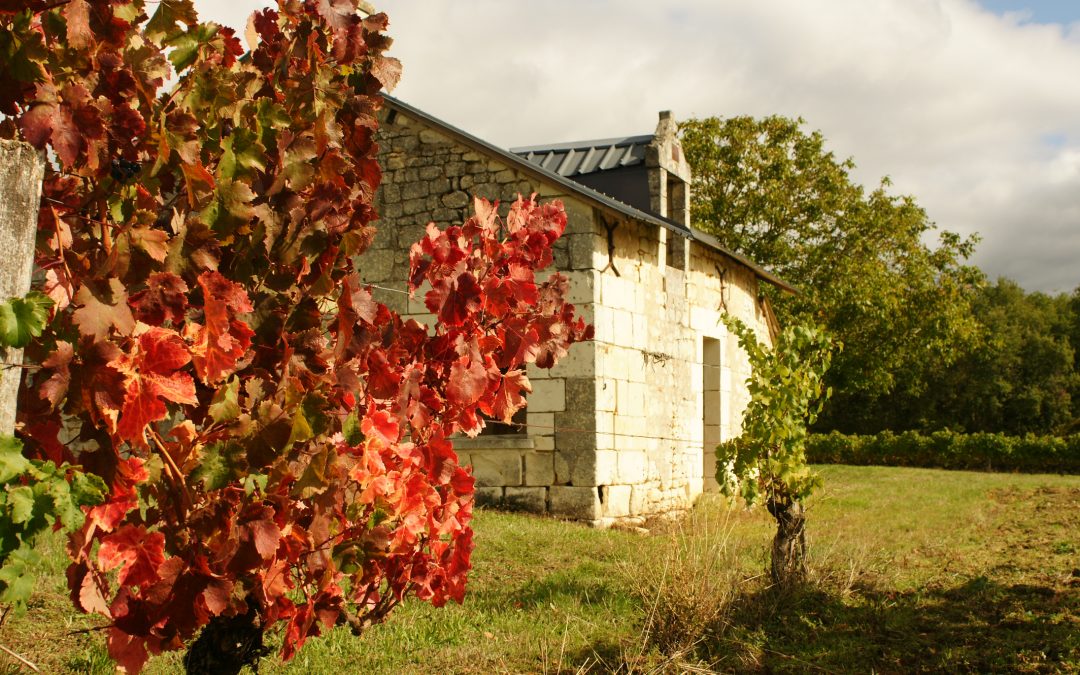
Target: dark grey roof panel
(571,161)
(586,192)
(612,157)
(583,157)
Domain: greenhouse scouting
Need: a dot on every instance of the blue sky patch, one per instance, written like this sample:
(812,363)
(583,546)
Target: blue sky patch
(1041,11)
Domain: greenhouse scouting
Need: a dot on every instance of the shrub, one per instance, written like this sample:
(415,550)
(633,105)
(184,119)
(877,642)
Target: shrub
(272,442)
(950,450)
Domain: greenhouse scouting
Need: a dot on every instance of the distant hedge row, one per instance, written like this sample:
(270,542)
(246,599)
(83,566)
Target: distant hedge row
(949,450)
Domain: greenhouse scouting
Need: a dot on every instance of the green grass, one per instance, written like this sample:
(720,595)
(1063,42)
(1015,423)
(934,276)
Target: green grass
(915,570)
(926,571)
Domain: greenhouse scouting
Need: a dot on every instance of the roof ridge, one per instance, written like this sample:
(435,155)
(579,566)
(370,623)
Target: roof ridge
(588,143)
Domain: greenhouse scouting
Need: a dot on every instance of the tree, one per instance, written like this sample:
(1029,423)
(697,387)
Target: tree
(1072,331)
(768,460)
(273,442)
(1020,375)
(860,260)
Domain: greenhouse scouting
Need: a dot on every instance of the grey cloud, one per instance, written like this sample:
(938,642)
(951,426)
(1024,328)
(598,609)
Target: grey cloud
(952,102)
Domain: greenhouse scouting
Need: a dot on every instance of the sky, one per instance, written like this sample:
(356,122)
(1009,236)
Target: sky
(972,107)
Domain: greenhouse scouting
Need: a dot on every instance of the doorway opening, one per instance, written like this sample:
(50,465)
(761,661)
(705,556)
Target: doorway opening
(710,417)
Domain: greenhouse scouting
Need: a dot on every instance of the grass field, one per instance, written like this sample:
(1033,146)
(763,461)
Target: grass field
(914,570)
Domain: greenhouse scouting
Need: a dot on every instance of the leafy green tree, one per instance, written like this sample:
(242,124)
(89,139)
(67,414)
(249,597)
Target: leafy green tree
(1018,378)
(768,461)
(1073,332)
(771,190)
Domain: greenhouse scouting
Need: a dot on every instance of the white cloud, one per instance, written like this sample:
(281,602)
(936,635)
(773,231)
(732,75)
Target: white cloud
(974,113)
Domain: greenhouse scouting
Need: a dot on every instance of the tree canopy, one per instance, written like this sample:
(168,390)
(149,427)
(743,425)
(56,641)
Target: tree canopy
(862,260)
(1018,377)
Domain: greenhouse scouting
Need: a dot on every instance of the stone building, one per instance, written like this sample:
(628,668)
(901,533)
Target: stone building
(624,428)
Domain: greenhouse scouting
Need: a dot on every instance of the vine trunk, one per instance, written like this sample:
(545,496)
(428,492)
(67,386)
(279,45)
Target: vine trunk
(788,565)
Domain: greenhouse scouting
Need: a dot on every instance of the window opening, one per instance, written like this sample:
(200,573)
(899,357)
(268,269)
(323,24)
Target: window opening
(516,426)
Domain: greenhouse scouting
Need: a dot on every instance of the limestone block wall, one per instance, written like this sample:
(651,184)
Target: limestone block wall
(669,376)
(429,175)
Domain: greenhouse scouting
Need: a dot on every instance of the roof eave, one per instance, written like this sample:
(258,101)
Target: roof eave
(712,242)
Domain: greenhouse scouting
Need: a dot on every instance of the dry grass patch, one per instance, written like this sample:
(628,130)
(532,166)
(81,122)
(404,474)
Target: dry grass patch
(687,590)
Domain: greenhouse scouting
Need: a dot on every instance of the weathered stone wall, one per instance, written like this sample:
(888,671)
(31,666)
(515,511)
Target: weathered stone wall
(618,430)
(652,322)
(429,176)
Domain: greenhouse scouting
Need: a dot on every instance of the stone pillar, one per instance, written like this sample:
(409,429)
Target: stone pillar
(668,175)
(22,169)
(655,163)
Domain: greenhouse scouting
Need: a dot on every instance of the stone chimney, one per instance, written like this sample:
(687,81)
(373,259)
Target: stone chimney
(669,185)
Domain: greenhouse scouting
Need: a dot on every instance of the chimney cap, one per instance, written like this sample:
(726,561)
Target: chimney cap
(665,115)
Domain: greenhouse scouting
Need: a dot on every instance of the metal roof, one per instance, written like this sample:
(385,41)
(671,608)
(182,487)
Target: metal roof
(597,198)
(582,157)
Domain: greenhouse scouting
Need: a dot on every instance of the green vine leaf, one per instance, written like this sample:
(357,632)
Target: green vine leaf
(786,388)
(35,495)
(22,319)
(225,407)
(12,462)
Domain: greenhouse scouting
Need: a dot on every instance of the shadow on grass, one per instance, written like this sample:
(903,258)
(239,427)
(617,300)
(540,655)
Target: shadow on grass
(977,626)
(554,588)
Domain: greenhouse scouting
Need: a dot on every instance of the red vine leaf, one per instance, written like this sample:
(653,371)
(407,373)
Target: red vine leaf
(454,300)
(165,299)
(387,70)
(126,475)
(217,596)
(338,14)
(77,14)
(55,388)
(67,138)
(129,651)
(151,375)
(224,339)
(468,382)
(153,242)
(510,396)
(89,589)
(37,123)
(382,425)
(58,288)
(136,552)
(200,183)
(265,534)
